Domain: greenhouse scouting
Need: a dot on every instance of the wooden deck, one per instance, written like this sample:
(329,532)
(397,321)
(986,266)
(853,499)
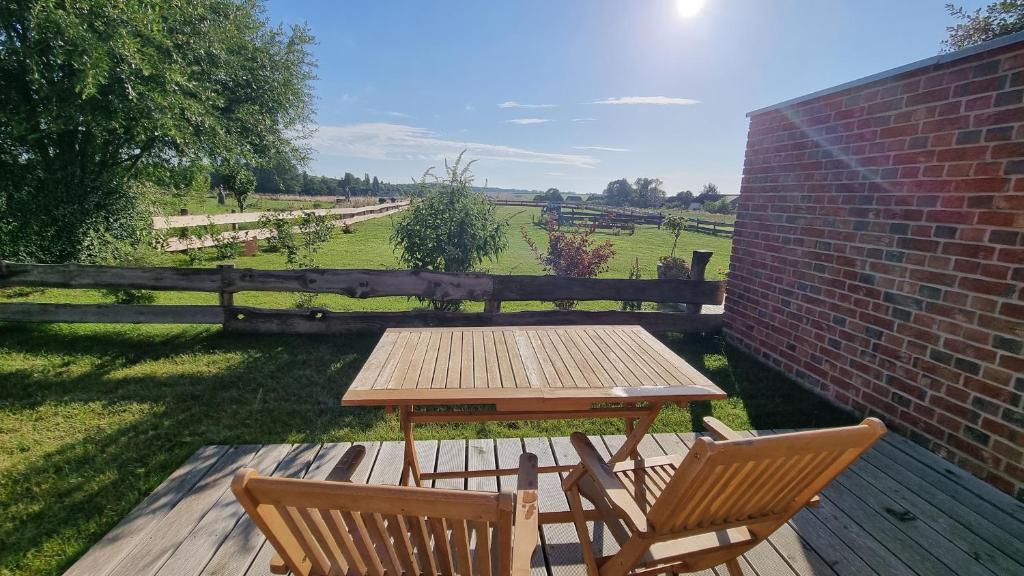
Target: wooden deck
(900,510)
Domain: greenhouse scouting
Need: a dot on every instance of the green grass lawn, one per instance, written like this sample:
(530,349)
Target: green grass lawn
(93,417)
(369,247)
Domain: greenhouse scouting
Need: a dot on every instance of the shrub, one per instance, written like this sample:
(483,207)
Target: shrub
(720,206)
(574,254)
(452,229)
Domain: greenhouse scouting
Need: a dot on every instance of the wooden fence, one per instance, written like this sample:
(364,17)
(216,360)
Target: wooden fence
(227,281)
(709,226)
(194,220)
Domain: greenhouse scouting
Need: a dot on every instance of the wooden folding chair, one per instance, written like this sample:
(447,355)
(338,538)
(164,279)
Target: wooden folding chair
(336,527)
(688,513)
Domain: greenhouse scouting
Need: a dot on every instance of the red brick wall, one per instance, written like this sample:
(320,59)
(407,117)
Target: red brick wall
(879,254)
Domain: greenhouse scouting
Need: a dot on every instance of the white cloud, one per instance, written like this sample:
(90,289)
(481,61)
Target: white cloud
(582,120)
(602,148)
(661,100)
(514,104)
(399,115)
(384,141)
(524,121)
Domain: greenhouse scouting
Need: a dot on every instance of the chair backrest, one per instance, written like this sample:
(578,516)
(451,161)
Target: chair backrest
(756,481)
(328,528)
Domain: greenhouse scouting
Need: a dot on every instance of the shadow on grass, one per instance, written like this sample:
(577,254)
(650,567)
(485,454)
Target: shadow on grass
(768,399)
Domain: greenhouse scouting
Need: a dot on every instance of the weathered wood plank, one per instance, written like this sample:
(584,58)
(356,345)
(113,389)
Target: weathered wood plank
(111,313)
(254,320)
(244,542)
(170,531)
(958,534)
(88,276)
(954,475)
(139,523)
(206,537)
(470,286)
(508,452)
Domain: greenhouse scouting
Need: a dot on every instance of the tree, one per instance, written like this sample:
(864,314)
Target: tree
(452,229)
(618,192)
(647,192)
(999,19)
(99,99)
(376,186)
(573,198)
(683,199)
(553,195)
(240,182)
(347,184)
(709,193)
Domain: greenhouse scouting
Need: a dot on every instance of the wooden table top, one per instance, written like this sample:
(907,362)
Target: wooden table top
(514,367)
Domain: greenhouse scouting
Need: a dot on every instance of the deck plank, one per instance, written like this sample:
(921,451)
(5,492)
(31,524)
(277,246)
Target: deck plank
(897,511)
(139,523)
(160,543)
(244,541)
(976,486)
(206,537)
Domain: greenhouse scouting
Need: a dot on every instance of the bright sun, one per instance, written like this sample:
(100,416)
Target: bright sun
(689,8)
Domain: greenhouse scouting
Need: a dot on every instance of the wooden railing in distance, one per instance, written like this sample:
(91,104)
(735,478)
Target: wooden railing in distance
(227,281)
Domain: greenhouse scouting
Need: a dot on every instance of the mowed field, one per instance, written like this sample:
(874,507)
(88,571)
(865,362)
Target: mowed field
(370,247)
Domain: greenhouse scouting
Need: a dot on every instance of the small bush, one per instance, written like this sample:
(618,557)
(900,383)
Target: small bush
(572,254)
(634,274)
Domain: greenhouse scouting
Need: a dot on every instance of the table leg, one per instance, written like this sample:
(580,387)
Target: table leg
(410,461)
(635,433)
(630,426)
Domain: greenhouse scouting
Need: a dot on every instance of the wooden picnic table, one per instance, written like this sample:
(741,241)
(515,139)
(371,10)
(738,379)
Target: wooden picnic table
(525,373)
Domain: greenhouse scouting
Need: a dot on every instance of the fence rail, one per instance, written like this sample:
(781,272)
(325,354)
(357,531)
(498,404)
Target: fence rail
(193,220)
(227,281)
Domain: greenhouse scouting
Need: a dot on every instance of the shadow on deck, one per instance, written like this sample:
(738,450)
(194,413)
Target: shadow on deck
(899,510)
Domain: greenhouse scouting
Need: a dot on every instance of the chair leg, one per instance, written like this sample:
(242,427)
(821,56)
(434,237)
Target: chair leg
(734,567)
(576,507)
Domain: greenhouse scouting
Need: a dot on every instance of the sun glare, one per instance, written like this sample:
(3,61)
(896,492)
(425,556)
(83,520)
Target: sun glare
(689,8)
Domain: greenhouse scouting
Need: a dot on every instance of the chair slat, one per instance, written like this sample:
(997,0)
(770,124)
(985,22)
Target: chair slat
(327,544)
(377,530)
(399,531)
(444,551)
(361,537)
(482,534)
(421,537)
(339,531)
(460,541)
(298,527)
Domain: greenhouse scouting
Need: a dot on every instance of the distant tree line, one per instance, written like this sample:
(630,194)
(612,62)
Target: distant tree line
(648,193)
(284,177)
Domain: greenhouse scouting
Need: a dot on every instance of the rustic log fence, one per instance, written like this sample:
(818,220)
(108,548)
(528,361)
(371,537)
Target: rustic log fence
(492,289)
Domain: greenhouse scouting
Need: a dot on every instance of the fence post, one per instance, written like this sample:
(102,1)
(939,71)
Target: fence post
(698,266)
(492,306)
(227,299)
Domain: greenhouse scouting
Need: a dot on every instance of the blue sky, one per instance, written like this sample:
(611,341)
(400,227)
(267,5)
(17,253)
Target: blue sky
(572,94)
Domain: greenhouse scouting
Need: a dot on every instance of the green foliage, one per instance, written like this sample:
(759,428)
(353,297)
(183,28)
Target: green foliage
(634,274)
(299,250)
(647,193)
(575,254)
(573,198)
(102,97)
(680,200)
(720,206)
(618,192)
(240,182)
(675,226)
(708,193)
(452,229)
(999,19)
(642,193)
